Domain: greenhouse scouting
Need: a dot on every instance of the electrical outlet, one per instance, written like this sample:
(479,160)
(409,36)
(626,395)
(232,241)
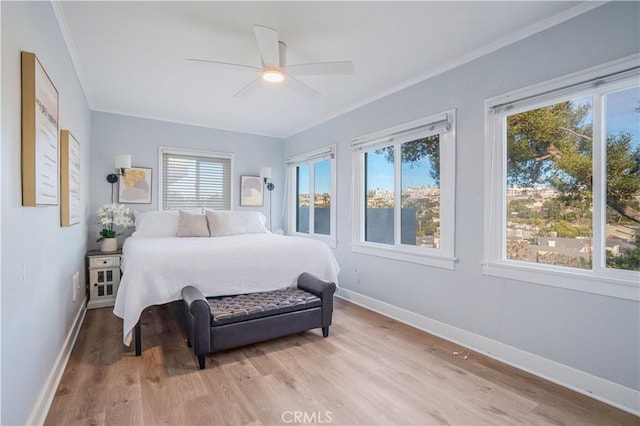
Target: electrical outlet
(76,286)
(24,274)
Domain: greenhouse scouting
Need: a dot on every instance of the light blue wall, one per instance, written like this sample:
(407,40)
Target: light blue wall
(118,134)
(37,314)
(596,334)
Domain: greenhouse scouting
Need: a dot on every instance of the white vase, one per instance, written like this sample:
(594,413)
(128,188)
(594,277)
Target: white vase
(109,244)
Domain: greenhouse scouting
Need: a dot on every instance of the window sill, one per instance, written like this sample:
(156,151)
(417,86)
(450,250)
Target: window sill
(585,281)
(331,242)
(409,256)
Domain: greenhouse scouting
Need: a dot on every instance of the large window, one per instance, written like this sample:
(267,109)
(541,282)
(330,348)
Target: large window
(564,196)
(312,182)
(404,191)
(191,179)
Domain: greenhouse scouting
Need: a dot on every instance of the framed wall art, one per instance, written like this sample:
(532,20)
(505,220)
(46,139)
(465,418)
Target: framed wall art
(69,179)
(39,134)
(134,186)
(251,191)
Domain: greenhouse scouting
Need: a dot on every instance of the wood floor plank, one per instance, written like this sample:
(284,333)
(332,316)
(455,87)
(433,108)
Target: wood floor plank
(371,370)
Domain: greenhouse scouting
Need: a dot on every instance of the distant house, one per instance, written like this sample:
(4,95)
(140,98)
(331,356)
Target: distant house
(622,232)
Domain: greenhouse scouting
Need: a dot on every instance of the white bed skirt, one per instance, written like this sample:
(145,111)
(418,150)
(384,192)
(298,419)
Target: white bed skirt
(156,269)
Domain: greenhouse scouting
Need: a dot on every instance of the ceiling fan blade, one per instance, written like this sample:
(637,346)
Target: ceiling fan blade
(249,88)
(301,88)
(268,44)
(224,63)
(321,68)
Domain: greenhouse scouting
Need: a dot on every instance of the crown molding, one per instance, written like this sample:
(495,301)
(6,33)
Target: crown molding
(71,47)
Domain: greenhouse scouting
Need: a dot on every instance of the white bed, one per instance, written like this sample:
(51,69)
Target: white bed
(156,269)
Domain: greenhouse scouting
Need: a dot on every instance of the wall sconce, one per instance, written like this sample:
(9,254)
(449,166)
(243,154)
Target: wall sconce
(265,174)
(123,162)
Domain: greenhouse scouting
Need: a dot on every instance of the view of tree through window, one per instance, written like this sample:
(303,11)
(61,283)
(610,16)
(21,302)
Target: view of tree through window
(550,183)
(623,179)
(420,193)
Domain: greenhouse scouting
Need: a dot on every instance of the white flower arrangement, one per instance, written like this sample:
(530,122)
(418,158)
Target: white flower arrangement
(110,215)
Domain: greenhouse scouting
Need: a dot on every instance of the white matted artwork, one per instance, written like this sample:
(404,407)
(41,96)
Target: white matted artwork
(134,186)
(251,191)
(39,134)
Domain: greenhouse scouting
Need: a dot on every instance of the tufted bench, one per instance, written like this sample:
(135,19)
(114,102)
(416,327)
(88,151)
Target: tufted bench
(216,324)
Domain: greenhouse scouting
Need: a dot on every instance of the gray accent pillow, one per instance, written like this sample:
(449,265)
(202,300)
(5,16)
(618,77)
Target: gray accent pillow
(192,225)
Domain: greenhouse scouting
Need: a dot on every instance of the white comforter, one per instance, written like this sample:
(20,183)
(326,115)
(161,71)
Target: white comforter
(156,269)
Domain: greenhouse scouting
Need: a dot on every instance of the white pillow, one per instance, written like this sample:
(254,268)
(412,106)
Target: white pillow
(192,225)
(153,224)
(233,222)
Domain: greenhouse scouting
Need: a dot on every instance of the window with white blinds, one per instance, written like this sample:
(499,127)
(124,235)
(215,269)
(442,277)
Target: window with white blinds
(192,179)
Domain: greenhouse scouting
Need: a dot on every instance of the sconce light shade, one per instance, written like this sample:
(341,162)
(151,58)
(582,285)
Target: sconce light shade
(123,161)
(265,172)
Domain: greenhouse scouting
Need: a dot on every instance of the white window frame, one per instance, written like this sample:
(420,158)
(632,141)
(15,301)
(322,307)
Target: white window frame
(442,257)
(181,151)
(595,81)
(310,158)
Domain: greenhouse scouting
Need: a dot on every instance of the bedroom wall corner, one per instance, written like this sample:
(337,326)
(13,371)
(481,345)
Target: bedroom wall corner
(114,134)
(39,257)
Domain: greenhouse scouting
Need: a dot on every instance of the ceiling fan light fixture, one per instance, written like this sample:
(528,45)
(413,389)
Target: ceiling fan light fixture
(273,76)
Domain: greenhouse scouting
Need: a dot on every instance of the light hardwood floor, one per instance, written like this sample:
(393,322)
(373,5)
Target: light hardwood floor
(370,370)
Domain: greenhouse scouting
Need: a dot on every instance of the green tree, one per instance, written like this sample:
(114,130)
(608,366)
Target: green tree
(416,150)
(623,176)
(628,259)
(565,229)
(555,144)
(551,145)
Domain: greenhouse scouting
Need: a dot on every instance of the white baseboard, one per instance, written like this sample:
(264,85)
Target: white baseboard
(41,408)
(611,393)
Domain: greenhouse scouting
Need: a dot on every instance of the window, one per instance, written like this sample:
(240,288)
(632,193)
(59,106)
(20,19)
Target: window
(564,192)
(191,179)
(404,191)
(312,182)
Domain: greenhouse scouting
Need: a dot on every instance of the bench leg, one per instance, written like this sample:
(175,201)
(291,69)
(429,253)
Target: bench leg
(201,361)
(138,339)
(325,331)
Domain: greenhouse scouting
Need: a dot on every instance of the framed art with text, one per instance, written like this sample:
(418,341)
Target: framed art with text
(39,134)
(69,179)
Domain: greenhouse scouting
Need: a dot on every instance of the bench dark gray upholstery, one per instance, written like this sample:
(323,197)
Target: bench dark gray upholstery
(216,324)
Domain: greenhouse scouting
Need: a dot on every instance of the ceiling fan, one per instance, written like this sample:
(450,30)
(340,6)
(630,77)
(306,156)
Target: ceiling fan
(275,70)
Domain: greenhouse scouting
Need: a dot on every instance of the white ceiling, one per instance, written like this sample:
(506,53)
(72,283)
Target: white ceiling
(130,56)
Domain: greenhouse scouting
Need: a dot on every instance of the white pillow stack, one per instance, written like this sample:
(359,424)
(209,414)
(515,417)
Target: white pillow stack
(216,223)
(156,224)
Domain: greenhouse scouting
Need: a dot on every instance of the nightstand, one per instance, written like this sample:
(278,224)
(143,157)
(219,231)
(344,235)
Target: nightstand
(104,278)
